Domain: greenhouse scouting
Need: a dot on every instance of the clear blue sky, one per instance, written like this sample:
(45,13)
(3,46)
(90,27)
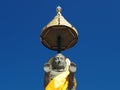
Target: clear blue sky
(97,54)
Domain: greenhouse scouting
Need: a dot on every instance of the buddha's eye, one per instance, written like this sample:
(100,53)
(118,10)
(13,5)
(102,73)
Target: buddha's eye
(62,58)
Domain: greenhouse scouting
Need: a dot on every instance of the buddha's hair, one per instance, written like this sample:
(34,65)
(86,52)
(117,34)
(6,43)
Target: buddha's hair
(60,54)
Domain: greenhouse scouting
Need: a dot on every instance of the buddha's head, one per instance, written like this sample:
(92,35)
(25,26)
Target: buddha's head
(59,62)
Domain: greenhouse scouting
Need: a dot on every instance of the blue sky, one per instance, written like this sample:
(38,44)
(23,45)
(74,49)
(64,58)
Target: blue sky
(97,53)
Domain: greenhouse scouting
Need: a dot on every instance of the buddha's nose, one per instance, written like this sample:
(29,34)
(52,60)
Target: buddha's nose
(58,62)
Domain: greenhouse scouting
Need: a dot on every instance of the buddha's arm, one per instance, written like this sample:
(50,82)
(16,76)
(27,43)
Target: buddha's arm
(72,70)
(47,70)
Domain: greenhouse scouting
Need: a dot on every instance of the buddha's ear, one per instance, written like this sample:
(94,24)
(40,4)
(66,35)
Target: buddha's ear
(51,60)
(68,61)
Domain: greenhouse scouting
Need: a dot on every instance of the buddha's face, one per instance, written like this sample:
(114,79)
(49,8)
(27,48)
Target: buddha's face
(59,62)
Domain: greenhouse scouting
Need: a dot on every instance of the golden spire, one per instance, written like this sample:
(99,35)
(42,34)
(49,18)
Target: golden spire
(59,27)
